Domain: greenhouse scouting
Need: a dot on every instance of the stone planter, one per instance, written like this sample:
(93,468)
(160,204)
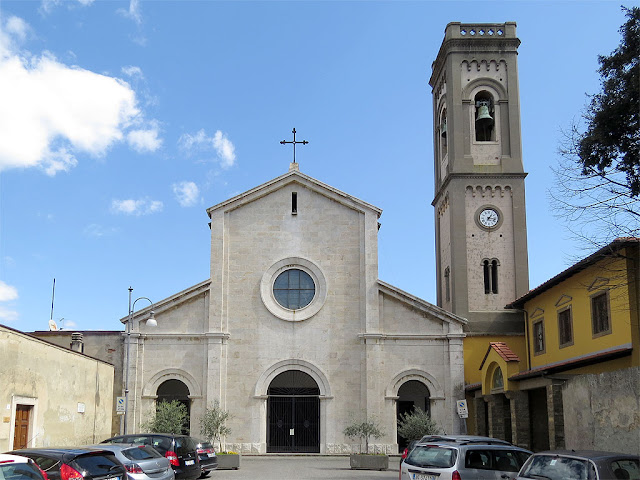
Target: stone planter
(228,461)
(360,461)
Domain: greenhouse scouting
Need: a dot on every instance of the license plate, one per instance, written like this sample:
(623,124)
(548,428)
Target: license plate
(211,455)
(189,462)
(420,476)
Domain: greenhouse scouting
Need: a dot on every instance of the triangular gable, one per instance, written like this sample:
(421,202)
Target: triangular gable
(294,176)
(172,301)
(503,350)
(420,304)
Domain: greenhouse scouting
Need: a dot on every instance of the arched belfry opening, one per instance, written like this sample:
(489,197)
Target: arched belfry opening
(411,395)
(171,390)
(293,413)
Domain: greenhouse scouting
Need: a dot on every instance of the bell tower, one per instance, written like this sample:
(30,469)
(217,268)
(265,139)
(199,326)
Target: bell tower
(481,233)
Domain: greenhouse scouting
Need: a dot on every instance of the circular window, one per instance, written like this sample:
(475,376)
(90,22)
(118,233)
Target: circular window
(294,289)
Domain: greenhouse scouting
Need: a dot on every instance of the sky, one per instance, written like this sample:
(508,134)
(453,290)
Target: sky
(121,122)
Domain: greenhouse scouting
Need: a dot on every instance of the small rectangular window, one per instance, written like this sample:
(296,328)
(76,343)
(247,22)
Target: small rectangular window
(600,321)
(447,285)
(565,328)
(294,203)
(538,336)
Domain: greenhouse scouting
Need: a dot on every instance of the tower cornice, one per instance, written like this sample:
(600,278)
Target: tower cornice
(474,176)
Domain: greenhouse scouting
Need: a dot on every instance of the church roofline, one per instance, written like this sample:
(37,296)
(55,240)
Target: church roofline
(268,187)
(420,304)
(172,301)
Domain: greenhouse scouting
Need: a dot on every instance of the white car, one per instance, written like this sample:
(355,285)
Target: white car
(15,467)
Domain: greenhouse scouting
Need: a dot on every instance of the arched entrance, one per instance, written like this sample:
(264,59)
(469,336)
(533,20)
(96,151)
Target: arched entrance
(170,390)
(412,394)
(293,413)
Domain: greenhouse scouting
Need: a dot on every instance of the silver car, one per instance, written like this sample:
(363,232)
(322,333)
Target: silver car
(581,465)
(455,460)
(142,462)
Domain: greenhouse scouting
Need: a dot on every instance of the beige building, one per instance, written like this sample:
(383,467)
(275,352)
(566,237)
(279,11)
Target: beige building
(51,395)
(294,333)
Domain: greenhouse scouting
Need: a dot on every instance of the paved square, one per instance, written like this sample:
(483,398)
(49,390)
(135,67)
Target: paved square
(302,468)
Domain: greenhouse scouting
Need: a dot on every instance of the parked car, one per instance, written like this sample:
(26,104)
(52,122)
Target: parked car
(180,450)
(16,467)
(207,456)
(76,463)
(581,465)
(461,460)
(142,462)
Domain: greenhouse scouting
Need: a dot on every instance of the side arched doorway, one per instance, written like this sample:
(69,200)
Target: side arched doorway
(293,413)
(412,394)
(171,390)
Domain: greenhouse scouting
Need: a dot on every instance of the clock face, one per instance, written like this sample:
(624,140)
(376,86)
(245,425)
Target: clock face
(489,218)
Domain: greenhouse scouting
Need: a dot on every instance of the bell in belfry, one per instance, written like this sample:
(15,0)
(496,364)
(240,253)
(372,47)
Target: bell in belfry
(443,130)
(484,118)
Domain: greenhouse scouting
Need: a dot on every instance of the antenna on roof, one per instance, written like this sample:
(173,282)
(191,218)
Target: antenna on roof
(52,324)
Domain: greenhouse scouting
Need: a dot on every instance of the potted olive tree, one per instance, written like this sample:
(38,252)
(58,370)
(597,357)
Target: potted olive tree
(213,426)
(369,428)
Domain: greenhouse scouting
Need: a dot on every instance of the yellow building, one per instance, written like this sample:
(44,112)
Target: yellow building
(577,384)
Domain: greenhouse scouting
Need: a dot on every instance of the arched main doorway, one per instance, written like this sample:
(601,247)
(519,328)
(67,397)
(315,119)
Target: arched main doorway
(293,413)
(170,390)
(412,394)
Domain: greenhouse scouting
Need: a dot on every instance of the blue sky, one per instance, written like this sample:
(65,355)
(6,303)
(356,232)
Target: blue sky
(122,121)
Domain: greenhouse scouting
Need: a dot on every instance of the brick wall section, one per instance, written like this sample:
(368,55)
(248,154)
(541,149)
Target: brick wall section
(496,417)
(480,420)
(520,420)
(556,416)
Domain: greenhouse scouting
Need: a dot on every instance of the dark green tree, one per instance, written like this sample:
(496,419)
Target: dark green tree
(597,186)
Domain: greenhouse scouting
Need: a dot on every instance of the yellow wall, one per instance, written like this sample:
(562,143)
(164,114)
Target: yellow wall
(475,348)
(576,292)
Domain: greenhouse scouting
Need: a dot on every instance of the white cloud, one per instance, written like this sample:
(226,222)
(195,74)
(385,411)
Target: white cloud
(219,143)
(133,71)
(187,193)
(47,5)
(133,12)
(143,206)
(95,230)
(51,112)
(144,140)
(7,292)
(7,315)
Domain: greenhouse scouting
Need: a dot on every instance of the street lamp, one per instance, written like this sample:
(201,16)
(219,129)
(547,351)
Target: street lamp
(151,322)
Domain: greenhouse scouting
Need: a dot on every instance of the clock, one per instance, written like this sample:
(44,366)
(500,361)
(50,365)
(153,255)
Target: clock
(489,217)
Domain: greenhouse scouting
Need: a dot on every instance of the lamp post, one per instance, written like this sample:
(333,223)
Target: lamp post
(151,322)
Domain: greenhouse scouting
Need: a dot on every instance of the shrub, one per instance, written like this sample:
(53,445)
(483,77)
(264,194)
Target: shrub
(213,423)
(169,417)
(416,424)
(364,430)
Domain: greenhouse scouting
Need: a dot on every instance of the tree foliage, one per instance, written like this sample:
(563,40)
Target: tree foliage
(598,178)
(612,139)
(213,423)
(369,428)
(416,424)
(169,417)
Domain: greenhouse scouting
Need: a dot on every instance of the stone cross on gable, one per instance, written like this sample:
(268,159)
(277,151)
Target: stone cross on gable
(303,142)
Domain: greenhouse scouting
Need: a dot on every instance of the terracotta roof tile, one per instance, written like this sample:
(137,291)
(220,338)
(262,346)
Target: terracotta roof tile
(504,351)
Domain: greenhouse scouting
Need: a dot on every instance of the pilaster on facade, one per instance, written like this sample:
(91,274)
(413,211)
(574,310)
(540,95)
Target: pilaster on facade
(555,411)
(520,419)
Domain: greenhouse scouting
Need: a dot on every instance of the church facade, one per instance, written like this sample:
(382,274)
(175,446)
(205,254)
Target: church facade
(294,334)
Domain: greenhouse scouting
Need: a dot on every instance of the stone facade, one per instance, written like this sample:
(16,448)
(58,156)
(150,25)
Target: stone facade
(359,340)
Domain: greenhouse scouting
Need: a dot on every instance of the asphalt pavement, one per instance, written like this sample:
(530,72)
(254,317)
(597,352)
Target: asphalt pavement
(304,467)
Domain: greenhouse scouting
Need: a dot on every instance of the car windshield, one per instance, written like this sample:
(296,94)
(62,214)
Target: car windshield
(19,471)
(435,456)
(553,467)
(185,445)
(141,453)
(98,464)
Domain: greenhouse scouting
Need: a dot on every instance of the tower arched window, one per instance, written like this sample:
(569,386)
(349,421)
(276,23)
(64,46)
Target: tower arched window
(484,117)
(443,132)
(490,275)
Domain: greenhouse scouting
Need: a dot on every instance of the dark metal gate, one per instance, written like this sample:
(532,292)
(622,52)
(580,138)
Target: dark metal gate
(293,409)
